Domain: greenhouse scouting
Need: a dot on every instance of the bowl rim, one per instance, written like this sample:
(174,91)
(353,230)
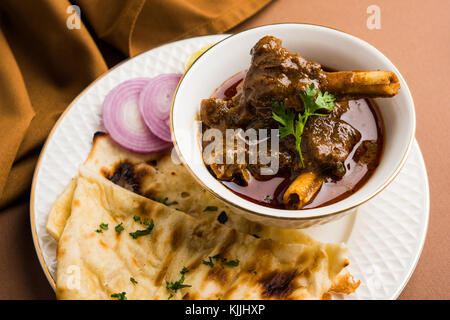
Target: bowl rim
(303,217)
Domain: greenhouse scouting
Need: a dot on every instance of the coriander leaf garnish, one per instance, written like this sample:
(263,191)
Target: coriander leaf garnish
(174,286)
(267,199)
(209,263)
(218,257)
(104,226)
(232,263)
(313,100)
(170,296)
(325,101)
(340,167)
(285,118)
(211,208)
(99,231)
(164,201)
(120,296)
(133,281)
(119,228)
(145,221)
(140,233)
(184,270)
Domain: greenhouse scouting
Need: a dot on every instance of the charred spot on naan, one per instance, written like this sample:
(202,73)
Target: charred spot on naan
(177,237)
(128,175)
(164,268)
(103,244)
(278,284)
(218,274)
(97,135)
(190,296)
(228,242)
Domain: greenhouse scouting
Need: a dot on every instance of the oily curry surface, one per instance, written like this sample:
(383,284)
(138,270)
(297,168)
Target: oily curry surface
(339,148)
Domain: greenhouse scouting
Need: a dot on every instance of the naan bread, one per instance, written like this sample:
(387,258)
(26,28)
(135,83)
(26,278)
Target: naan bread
(103,263)
(60,210)
(93,265)
(156,176)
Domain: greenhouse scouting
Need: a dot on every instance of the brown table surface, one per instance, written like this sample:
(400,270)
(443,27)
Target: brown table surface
(415,35)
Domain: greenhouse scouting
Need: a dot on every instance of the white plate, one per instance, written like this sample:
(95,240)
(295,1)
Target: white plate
(385,237)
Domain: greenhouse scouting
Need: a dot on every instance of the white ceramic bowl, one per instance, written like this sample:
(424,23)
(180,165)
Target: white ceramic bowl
(329,47)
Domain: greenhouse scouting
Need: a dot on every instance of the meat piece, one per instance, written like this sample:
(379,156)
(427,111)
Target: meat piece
(329,141)
(285,164)
(231,172)
(368,154)
(213,112)
(227,160)
(339,109)
(277,75)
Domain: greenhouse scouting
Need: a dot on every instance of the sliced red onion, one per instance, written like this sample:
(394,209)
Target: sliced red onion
(155,103)
(123,121)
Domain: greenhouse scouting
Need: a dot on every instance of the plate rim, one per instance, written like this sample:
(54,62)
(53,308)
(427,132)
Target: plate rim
(218,37)
(51,133)
(427,219)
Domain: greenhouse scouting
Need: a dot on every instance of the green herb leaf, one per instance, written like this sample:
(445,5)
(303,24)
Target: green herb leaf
(340,167)
(119,296)
(313,100)
(325,101)
(222,259)
(119,228)
(184,270)
(99,231)
(211,208)
(165,201)
(174,286)
(219,256)
(209,263)
(285,118)
(137,218)
(104,226)
(133,281)
(170,296)
(267,199)
(140,233)
(232,263)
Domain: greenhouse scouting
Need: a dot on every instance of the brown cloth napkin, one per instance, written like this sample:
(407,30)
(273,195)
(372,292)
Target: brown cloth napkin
(44,63)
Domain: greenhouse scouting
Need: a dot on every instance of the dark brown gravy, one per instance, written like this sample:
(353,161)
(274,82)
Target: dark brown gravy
(363,115)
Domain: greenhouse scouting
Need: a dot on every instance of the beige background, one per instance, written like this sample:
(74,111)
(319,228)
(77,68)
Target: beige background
(415,35)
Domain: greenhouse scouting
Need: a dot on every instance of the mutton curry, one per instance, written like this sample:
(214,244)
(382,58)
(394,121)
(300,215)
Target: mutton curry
(330,130)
